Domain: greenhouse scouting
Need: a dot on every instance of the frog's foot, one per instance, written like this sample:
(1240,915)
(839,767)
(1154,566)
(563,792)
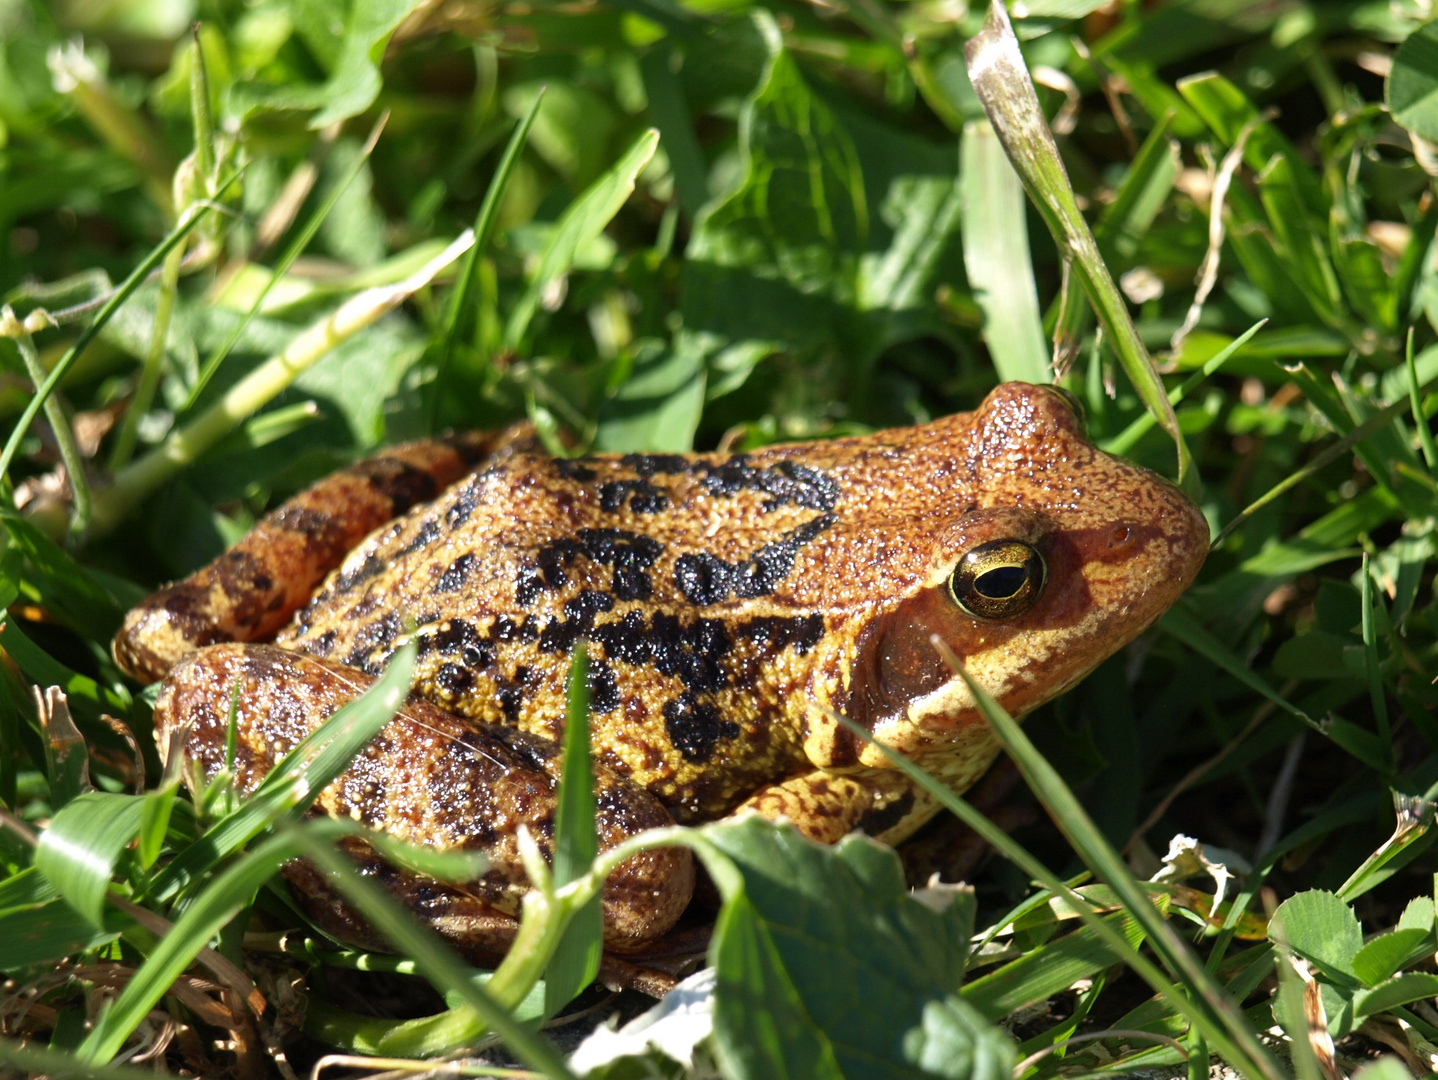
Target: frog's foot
(826,806)
(430,778)
(251,590)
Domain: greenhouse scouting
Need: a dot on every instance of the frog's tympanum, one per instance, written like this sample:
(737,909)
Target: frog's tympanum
(732,604)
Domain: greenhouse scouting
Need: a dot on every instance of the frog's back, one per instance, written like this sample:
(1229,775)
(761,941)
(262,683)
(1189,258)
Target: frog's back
(705,587)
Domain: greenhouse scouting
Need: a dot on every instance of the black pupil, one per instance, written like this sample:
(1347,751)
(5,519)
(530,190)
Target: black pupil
(1001,583)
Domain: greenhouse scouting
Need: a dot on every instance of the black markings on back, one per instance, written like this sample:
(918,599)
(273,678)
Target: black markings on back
(778,632)
(642,496)
(455,576)
(603,687)
(458,638)
(630,554)
(463,501)
(647,465)
(560,635)
(705,579)
(693,653)
(370,652)
(370,567)
(574,469)
(786,483)
(424,536)
(694,727)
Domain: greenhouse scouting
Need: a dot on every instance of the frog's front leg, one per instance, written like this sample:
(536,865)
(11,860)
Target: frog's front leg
(827,804)
(429,778)
(251,590)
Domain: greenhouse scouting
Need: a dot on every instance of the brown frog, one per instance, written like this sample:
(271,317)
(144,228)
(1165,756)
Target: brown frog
(731,604)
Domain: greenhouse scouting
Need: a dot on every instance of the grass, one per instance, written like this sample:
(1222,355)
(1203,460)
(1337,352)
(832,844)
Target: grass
(237,257)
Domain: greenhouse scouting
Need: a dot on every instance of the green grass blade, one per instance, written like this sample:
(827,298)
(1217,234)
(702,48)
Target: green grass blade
(127,289)
(220,901)
(996,258)
(440,966)
(1420,418)
(580,224)
(1009,849)
(1217,1017)
(78,852)
(576,960)
(1376,422)
(138,479)
(1001,79)
(462,300)
(1128,438)
(1370,657)
(296,248)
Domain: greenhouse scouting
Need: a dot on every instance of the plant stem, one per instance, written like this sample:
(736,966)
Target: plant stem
(154,360)
(256,389)
(55,413)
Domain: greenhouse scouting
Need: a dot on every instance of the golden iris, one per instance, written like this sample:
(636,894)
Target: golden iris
(999,580)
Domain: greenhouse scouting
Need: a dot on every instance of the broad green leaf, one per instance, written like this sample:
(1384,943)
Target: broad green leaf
(957,1042)
(1323,930)
(777,259)
(25,887)
(1412,86)
(832,241)
(84,841)
(1387,1067)
(349,41)
(996,255)
(823,958)
(576,961)
(658,407)
(1389,953)
(585,219)
(1419,914)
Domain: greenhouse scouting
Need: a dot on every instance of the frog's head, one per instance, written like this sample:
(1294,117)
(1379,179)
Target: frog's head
(1056,556)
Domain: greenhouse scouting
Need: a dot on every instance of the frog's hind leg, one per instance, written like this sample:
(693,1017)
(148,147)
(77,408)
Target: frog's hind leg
(430,778)
(251,590)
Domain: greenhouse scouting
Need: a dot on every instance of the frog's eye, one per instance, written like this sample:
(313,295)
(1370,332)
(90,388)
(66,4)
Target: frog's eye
(999,580)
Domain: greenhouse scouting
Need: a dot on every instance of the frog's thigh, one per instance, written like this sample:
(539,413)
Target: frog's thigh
(251,590)
(429,778)
(825,806)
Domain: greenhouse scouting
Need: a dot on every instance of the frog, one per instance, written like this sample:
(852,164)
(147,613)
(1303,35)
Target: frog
(736,608)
